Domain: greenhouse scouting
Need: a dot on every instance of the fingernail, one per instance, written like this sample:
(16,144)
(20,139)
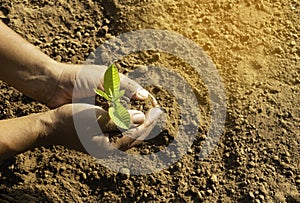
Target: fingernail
(155,113)
(138,118)
(143,93)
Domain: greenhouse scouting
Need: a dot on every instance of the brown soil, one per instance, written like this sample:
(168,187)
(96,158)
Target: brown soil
(255,45)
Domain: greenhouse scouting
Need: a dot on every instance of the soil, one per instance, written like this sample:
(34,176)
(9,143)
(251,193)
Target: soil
(255,45)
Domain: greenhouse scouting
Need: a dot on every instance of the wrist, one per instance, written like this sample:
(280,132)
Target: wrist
(47,126)
(60,129)
(36,129)
(51,73)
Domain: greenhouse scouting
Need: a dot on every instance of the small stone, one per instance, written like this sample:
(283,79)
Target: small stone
(214,179)
(83,175)
(78,34)
(289,173)
(251,194)
(85,45)
(155,57)
(251,164)
(199,195)
(106,21)
(58,58)
(261,197)
(179,165)
(125,171)
(145,151)
(95,174)
(173,155)
(105,29)
(279,50)
(293,43)
(209,192)
(263,190)
(98,24)
(102,32)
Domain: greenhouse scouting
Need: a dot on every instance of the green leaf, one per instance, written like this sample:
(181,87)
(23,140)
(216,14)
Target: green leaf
(119,95)
(119,115)
(102,94)
(111,95)
(112,80)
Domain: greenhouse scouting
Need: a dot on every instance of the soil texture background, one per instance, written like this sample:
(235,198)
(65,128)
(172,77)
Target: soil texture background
(255,45)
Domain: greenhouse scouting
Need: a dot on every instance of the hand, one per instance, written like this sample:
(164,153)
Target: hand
(85,117)
(79,81)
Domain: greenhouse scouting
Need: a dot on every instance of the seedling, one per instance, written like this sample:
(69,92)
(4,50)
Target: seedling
(112,93)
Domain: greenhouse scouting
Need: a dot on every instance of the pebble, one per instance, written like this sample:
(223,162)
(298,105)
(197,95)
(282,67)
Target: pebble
(105,29)
(155,57)
(145,151)
(209,192)
(214,179)
(199,195)
(83,175)
(95,174)
(251,194)
(251,164)
(78,34)
(179,165)
(106,21)
(58,58)
(289,174)
(85,45)
(98,23)
(125,171)
(293,43)
(261,197)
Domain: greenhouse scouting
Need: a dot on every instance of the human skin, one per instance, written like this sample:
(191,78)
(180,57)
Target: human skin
(26,68)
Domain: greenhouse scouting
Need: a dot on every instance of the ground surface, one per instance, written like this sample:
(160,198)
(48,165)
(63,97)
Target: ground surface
(256,47)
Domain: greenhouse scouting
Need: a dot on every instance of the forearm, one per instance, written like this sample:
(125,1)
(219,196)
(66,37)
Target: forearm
(25,67)
(20,134)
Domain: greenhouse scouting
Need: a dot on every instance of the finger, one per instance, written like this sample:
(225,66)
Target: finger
(107,125)
(133,89)
(101,147)
(135,136)
(147,130)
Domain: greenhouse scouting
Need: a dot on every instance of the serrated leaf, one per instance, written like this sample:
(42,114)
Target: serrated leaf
(102,94)
(120,116)
(112,80)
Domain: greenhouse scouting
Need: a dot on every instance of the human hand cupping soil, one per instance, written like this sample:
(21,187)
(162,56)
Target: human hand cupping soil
(79,81)
(64,131)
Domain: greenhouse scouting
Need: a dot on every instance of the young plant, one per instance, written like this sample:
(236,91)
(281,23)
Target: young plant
(112,93)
